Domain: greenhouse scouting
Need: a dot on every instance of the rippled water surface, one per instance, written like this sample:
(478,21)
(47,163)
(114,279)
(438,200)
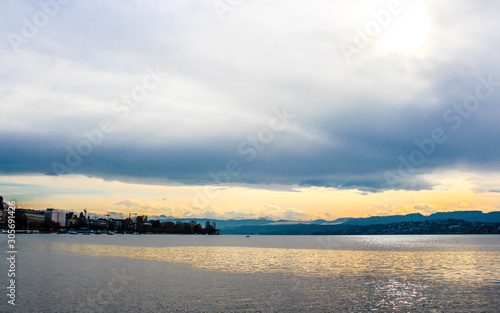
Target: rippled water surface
(147,273)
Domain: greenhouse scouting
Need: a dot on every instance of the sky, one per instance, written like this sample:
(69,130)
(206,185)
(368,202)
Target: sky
(294,110)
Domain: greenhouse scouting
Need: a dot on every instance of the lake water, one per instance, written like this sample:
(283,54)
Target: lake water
(155,273)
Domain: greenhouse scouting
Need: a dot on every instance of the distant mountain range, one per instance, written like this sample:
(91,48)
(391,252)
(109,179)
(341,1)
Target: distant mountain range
(469,216)
(286,227)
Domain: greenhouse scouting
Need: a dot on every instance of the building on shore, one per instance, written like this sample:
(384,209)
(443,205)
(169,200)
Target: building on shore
(71,220)
(30,216)
(4,209)
(58,216)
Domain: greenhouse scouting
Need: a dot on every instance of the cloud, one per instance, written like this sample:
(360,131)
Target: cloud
(128,203)
(149,208)
(268,211)
(352,122)
(423,208)
(117,215)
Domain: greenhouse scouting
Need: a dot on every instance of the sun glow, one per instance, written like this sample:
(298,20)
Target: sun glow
(408,31)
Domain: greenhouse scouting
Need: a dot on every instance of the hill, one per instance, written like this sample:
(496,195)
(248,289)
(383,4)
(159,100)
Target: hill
(343,225)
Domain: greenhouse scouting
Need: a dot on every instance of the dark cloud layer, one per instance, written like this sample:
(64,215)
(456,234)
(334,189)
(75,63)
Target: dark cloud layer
(352,122)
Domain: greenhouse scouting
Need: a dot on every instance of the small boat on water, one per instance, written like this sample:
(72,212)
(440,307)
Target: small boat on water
(72,232)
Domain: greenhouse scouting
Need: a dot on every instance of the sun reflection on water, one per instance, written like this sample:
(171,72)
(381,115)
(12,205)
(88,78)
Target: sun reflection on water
(473,266)
(396,294)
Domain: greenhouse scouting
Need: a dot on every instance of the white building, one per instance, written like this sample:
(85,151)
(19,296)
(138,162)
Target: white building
(58,216)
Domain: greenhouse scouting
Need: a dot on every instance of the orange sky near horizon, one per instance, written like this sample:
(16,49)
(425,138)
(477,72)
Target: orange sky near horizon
(74,193)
